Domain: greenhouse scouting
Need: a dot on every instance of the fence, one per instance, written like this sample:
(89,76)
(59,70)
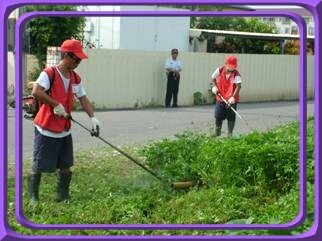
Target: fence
(131,79)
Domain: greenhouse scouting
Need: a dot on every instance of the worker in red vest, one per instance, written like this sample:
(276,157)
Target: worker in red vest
(56,88)
(226,82)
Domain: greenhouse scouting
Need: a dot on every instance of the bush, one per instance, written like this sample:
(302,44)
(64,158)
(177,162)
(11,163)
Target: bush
(235,174)
(198,98)
(269,160)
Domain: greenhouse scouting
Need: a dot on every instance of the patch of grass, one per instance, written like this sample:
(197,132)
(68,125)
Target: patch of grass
(255,182)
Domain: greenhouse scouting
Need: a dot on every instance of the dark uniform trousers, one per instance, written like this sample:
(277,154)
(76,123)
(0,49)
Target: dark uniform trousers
(172,89)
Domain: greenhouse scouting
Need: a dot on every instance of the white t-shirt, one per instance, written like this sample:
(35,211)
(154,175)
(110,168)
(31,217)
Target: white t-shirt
(78,90)
(216,74)
(173,64)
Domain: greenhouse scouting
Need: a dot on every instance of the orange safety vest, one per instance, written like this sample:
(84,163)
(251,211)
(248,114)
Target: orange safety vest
(225,86)
(45,117)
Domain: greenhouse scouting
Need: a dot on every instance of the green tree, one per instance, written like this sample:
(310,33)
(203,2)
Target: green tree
(235,45)
(239,45)
(52,31)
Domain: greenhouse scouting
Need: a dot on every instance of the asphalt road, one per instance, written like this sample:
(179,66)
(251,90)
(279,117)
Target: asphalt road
(139,127)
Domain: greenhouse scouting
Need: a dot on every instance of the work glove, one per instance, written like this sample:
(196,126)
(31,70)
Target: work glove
(231,100)
(95,127)
(60,110)
(215,90)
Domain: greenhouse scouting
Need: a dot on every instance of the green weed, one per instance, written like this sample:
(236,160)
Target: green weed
(250,179)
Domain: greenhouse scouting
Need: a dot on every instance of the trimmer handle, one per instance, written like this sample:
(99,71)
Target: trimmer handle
(95,132)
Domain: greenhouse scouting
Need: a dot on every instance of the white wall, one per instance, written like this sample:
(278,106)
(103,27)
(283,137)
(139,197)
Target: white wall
(128,79)
(154,33)
(104,31)
(138,33)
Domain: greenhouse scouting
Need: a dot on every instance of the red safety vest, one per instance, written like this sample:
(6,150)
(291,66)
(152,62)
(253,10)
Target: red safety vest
(46,118)
(225,86)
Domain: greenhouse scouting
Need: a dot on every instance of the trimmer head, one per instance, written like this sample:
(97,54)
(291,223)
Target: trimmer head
(182,185)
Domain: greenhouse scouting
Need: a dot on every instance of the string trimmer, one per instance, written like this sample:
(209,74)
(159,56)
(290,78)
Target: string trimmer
(174,185)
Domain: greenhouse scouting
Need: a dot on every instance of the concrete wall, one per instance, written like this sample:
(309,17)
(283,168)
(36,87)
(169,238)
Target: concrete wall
(138,33)
(128,79)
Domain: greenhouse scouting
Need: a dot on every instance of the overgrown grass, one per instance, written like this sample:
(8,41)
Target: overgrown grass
(250,179)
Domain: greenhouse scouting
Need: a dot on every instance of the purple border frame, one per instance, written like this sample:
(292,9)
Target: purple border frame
(314,6)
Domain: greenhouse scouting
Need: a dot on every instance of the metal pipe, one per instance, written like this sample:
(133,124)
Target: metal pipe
(119,150)
(174,185)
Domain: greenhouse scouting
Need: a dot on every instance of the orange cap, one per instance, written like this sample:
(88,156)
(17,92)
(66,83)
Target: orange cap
(73,46)
(231,61)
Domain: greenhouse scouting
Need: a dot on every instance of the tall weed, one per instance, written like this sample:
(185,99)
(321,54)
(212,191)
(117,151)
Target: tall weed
(269,160)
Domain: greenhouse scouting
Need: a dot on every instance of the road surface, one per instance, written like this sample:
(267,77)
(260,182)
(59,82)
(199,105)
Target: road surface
(139,127)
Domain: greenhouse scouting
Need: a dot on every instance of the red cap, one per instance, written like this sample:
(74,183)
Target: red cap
(73,46)
(231,61)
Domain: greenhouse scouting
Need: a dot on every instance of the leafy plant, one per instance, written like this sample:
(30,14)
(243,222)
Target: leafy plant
(52,31)
(239,45)
(198,98)
(245,180)
(270,159)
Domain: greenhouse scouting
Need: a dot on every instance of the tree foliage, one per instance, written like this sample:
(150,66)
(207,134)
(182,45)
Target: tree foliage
(235,45)
(292,47)
(52,31)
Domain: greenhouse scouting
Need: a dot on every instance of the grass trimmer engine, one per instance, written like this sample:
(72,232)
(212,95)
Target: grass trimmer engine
(31,106)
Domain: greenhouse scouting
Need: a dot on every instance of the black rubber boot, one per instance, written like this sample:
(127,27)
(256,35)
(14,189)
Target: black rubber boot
(231,125)
(218,128)
(33,187)
(63,182)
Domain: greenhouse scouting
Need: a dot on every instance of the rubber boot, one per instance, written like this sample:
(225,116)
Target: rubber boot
(231,125)
(33,187)
(218,128)
(63,182)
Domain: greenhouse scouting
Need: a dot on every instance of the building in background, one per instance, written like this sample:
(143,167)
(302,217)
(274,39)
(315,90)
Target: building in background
(137,33)
(286,25)
(286,29)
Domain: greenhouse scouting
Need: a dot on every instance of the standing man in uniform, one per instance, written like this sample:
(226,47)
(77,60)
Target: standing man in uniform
(226,82)
(173,68)
(56,88)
